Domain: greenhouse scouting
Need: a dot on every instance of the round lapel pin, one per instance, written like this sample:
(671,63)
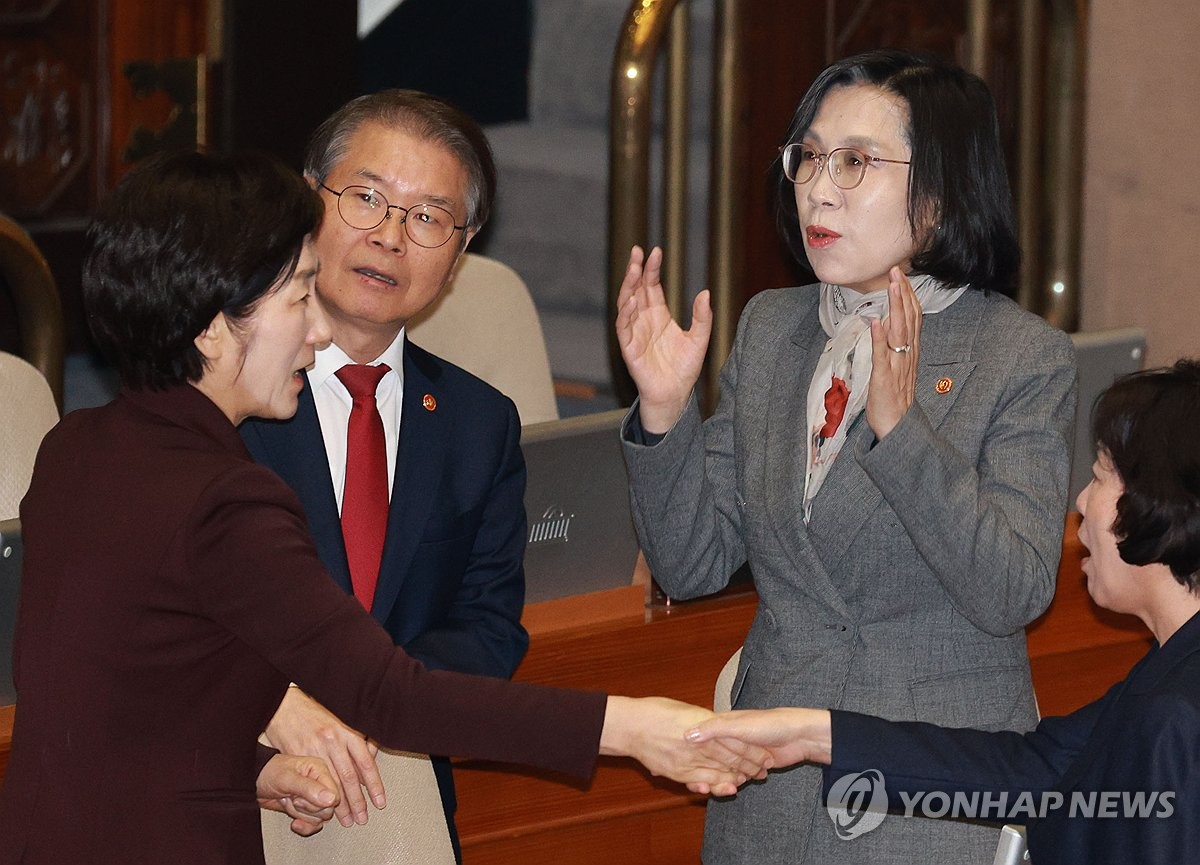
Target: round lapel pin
(943,385)
(429,402)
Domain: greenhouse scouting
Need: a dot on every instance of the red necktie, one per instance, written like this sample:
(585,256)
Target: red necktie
(365,495)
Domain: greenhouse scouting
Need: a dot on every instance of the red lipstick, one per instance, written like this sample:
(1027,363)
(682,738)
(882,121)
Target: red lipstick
(819,237)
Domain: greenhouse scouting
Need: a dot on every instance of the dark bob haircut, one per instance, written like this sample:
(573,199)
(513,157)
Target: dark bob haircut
(1148,424)
(422,116)
(958,184)
(185,236)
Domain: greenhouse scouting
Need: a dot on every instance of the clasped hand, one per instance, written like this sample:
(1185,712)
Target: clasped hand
(787,735)
(653,731)
(301,787)
(302,726)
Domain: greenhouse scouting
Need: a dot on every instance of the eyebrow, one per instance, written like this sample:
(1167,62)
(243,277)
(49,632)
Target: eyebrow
(375,179)
(859,142)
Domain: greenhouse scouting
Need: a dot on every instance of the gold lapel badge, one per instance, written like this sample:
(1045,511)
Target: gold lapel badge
(943,385)
(429,401)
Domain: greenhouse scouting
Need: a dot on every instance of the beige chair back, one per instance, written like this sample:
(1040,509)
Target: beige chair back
(411,830)
(27,412)
(486,323)
(723,689)
(24,270)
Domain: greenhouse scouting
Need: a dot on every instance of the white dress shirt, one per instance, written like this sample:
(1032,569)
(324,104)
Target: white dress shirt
(334,403)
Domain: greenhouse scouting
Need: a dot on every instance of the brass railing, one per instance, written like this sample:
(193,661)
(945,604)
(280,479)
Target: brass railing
(642,36)
(1048,179)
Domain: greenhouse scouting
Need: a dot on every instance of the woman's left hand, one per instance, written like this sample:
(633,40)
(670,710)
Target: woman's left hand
(896,349)
(301,787)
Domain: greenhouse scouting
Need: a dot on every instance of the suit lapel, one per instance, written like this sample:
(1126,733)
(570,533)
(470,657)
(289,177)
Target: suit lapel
(948,355)
(786,455)
(420,454)
(848,498)
(787,421)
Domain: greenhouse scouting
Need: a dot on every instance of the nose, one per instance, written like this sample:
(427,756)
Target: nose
(319,330)
(390,234)
(821,190)
(1081,499)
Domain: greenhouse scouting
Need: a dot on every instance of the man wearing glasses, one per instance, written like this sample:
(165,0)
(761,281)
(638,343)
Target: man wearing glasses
(408,467)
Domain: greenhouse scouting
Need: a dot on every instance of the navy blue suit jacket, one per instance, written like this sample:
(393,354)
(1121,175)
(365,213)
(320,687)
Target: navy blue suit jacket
(1142,737)
(451,583)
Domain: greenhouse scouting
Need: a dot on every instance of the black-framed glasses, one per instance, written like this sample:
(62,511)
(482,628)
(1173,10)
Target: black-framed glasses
(365,208)
(847,166)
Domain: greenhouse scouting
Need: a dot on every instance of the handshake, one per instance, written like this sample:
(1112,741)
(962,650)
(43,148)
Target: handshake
(713,754)
(669,738)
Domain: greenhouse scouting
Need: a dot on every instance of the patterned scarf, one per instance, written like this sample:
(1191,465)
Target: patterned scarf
(838,391)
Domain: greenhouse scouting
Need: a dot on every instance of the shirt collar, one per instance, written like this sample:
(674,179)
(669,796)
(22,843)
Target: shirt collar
(331,358)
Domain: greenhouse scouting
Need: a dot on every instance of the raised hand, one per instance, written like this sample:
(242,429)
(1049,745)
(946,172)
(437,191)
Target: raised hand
(663,359)
(302,726)
(895,351)
(301,787)
(652,731)
(789,735)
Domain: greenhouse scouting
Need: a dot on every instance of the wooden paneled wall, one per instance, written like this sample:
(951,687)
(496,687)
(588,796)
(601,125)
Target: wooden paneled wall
(92,85)
(788,43)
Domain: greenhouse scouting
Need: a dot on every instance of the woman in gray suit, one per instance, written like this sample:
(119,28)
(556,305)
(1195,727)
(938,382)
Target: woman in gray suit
(889,453)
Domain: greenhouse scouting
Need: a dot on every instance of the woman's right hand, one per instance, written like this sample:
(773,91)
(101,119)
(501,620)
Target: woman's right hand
(652,731)
(664,359)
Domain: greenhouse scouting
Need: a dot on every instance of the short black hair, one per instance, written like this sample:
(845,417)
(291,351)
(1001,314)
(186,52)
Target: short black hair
(423,116)
(958,182)
(1148,424)
(185,236)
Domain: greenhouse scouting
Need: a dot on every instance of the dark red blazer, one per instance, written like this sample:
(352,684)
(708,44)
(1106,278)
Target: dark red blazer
(170,592)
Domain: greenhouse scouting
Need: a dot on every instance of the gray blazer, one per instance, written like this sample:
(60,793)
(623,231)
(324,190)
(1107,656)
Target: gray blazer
(926,554)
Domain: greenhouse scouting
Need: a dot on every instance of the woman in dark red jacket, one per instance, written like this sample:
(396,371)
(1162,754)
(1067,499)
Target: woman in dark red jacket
(170,589)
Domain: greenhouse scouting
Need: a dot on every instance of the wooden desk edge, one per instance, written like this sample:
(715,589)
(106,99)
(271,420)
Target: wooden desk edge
(7,715)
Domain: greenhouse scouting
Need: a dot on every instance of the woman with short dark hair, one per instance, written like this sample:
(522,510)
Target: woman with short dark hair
(890,450)
(170,590)
(1117,781)
(186,238)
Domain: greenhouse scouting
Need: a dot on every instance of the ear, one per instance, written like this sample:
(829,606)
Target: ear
(467,236)
(214,340)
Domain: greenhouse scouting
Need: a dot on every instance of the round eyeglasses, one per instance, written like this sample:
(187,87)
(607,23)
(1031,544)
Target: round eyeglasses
(847,166)
(365,208)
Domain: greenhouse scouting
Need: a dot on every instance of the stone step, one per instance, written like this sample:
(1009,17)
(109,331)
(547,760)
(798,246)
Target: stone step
(574,42)
(551,221)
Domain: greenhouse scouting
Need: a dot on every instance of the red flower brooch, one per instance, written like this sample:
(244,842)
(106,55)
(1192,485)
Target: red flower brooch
(835,406)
